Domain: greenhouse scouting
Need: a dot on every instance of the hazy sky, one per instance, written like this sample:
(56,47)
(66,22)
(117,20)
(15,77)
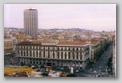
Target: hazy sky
(87,16)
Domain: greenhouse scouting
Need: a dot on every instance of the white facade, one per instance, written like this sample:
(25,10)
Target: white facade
(56,55)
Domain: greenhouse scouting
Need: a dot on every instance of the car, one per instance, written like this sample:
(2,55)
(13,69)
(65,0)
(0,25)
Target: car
(62,68)
(76,70)
(95,71)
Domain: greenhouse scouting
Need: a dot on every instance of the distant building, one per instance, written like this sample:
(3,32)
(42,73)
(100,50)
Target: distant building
(22,37)
(8,45)
(74,54)
(31,21)
(14,40)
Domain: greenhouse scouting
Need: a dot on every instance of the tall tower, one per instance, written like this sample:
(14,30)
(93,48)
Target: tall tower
(31,21)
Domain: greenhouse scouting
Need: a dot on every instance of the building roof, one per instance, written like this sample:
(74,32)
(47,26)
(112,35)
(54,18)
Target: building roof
(30,9)
(61,43)
(96,40)
(29,42)
(72,43)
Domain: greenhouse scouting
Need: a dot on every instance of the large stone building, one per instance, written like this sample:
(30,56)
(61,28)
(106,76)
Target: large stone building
(74,54)
(31,21)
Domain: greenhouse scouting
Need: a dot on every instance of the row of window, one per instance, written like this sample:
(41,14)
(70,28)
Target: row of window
(53,55)
(49,48)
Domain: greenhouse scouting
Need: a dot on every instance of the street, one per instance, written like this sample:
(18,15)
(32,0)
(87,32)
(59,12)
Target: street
(99,69)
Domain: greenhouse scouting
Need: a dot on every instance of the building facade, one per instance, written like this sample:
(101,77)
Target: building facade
(95,50)
(97,47)
(31,21)
(76,55)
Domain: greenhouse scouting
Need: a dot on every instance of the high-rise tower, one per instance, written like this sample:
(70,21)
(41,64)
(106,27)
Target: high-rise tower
(31,21)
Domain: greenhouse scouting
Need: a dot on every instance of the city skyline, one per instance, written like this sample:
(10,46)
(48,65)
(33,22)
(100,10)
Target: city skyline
(97,17)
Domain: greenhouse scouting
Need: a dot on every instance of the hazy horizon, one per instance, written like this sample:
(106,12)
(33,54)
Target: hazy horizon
(97,17)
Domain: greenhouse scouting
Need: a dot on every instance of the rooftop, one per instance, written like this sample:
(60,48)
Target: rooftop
(30,9)
(96,40)
(72,43)
(29,42)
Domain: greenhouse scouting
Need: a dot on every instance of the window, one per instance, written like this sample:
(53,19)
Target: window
(69,55)
(81,56)
(53,55)
(65,56)
(48,48)
(58,55)
(77,49)
(40,55)
(73,49)
(30,53)
(53,48)
(61,55)
(36,51)
(45,48)
(26,53)
(48,54)
(62,48)
(73,57)
(58,48)
(29,47)
(44,54)
(77,56)
(77,53)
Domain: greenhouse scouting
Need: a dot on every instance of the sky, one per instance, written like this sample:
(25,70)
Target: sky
(97,17)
